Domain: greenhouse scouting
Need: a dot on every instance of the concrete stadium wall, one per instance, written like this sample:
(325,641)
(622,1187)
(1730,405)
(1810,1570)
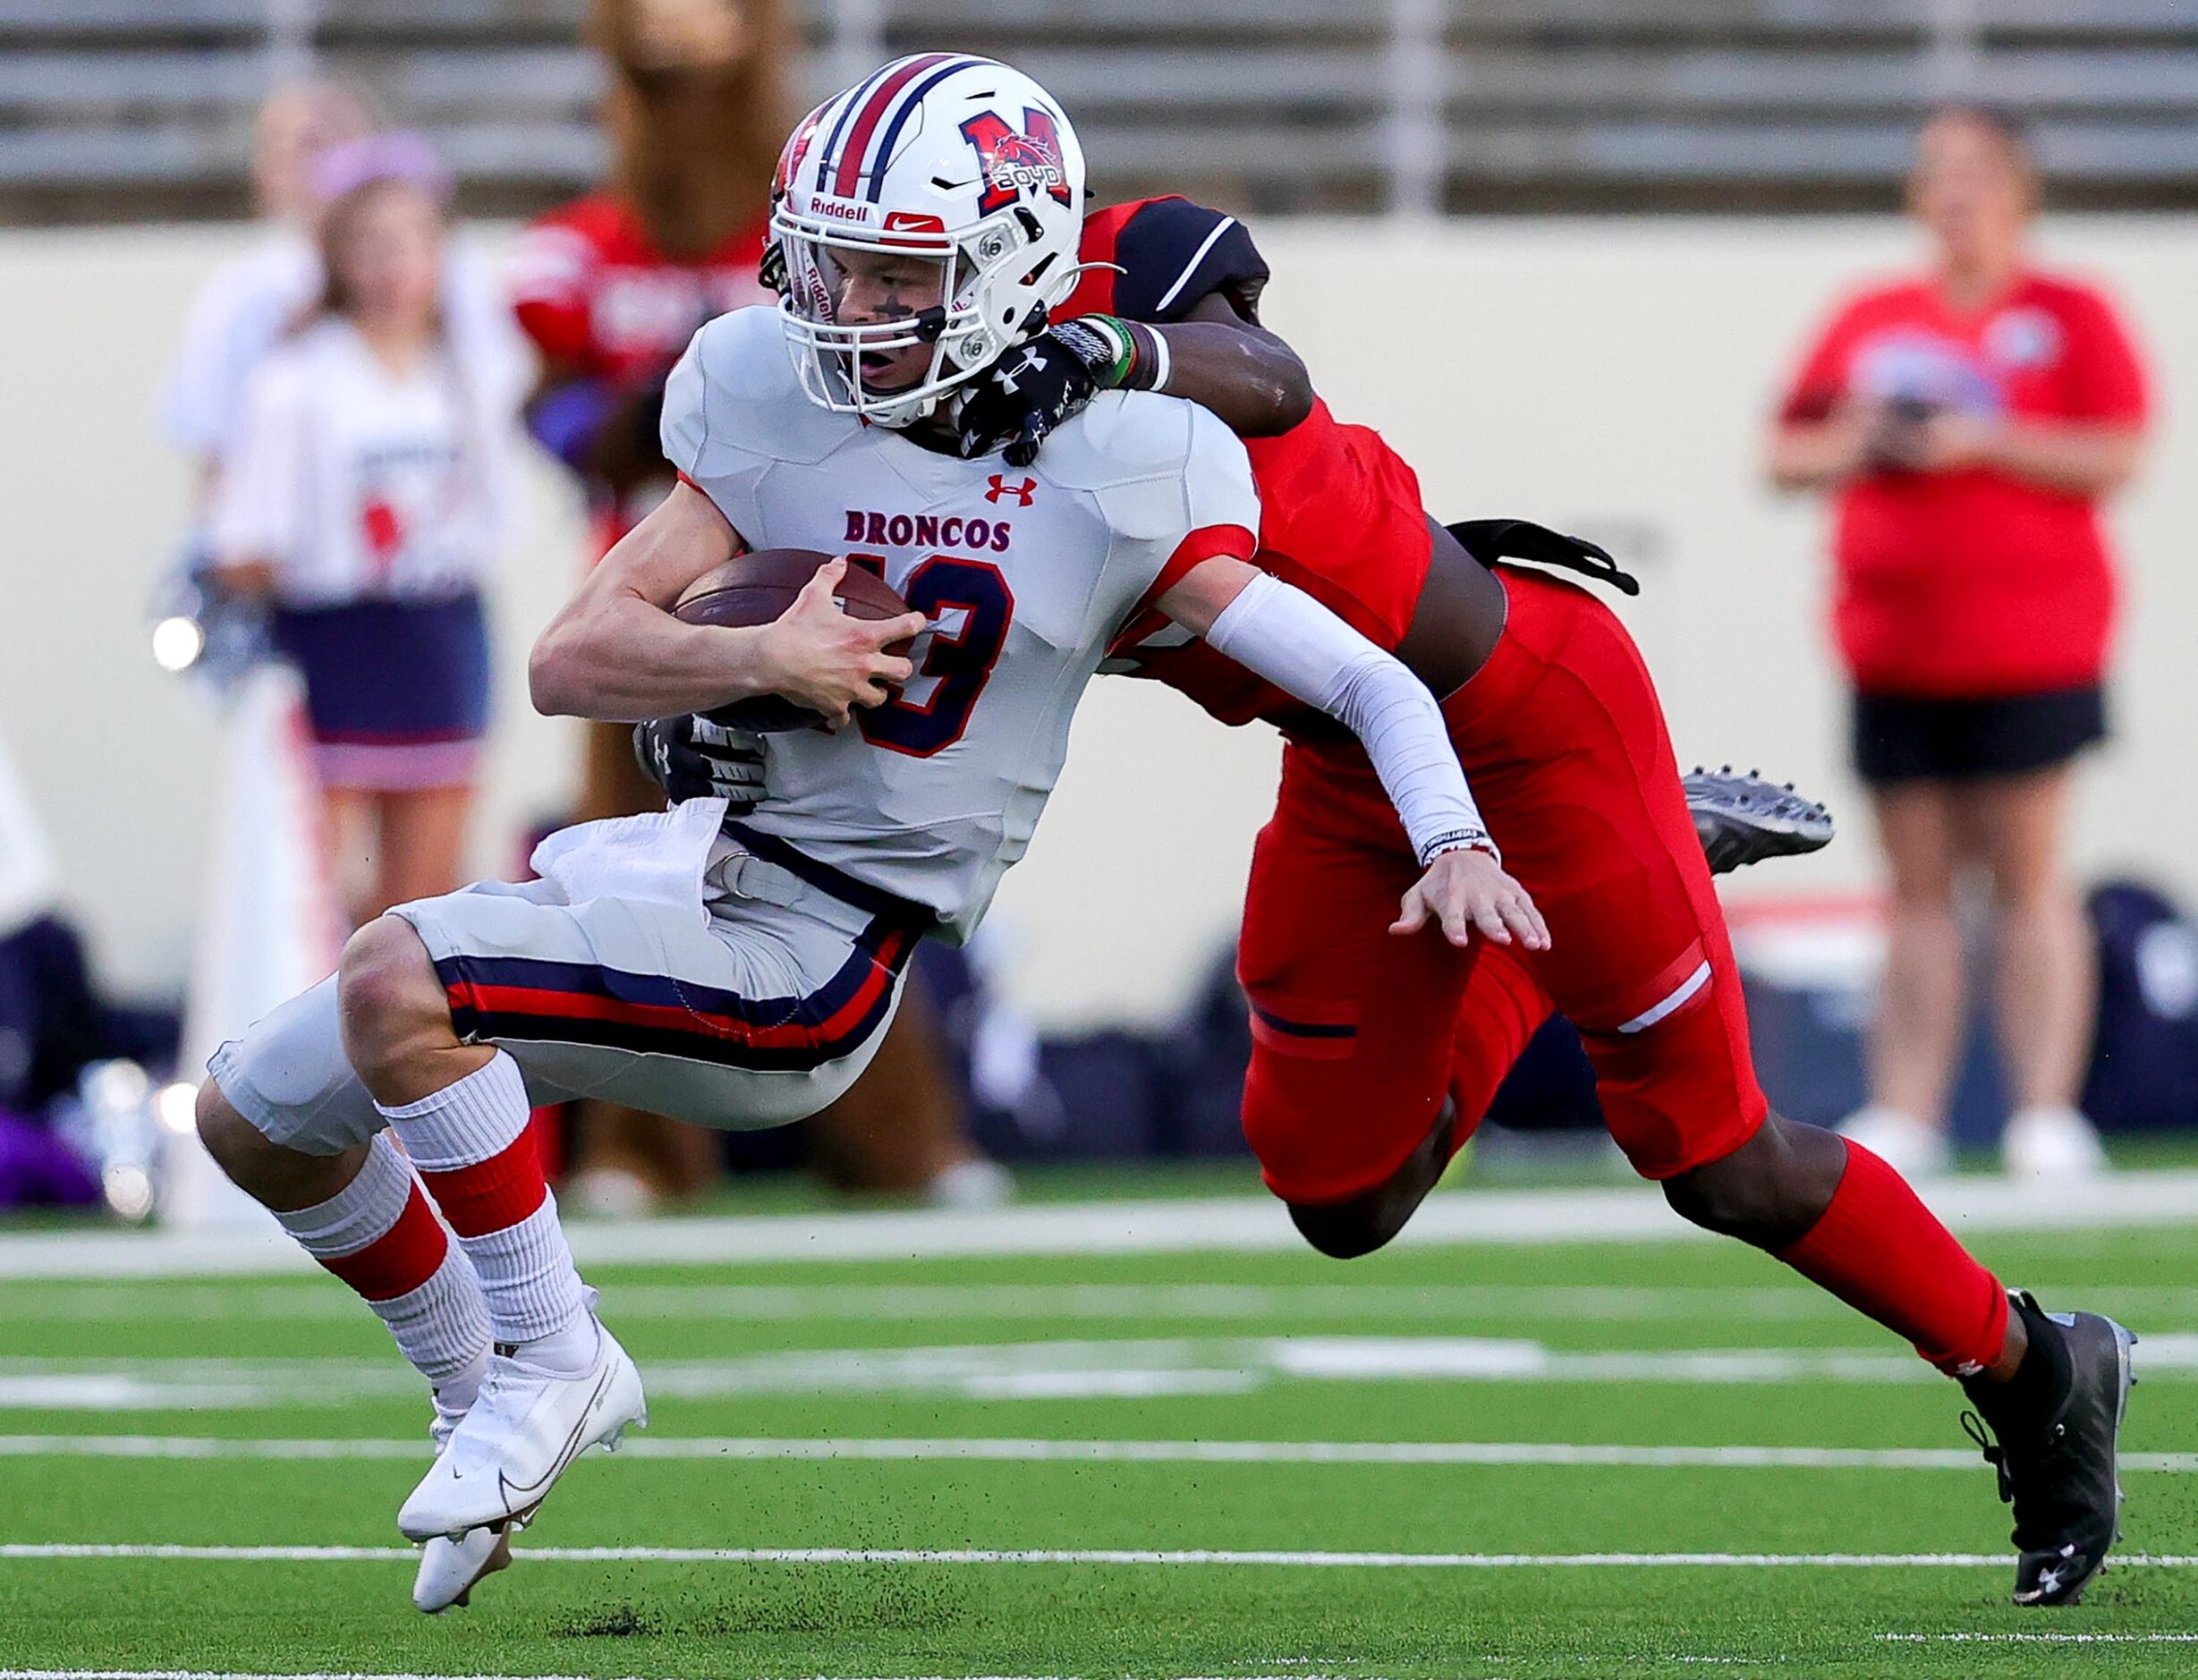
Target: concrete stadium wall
(1609,376)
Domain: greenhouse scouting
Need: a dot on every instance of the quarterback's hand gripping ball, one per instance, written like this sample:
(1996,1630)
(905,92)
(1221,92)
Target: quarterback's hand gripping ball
(839,638)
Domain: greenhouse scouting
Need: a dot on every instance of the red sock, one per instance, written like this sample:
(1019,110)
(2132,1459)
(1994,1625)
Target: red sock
(379,1234)
(477,1154)
(1882,1251)
(493,1194)
(399,1260)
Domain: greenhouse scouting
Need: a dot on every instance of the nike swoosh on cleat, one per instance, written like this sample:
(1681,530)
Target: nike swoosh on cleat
(506,1487)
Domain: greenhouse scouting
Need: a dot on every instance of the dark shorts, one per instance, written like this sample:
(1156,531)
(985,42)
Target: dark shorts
(397,692)
(1914,738)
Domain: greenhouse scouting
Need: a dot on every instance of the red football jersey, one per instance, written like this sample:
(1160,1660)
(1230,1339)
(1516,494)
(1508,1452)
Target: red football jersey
(1972,583)
(592,290)
(1340,512)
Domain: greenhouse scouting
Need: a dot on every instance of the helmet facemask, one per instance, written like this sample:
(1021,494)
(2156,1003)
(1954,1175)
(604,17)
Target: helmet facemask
(976,303)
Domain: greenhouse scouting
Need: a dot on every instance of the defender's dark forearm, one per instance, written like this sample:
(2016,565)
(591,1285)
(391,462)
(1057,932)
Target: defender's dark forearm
(1245,375)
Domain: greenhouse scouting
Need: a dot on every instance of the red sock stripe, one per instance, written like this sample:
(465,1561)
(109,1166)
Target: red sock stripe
(493,1194)
(1883,1252)
(401,1259)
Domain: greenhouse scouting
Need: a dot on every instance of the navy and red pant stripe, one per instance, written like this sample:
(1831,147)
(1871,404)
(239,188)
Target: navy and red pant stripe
(538,999)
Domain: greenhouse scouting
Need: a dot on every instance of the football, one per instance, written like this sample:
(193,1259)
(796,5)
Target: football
(758,586)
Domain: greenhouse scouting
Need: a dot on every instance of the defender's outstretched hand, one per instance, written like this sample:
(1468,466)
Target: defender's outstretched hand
(1464,890)
(821,658)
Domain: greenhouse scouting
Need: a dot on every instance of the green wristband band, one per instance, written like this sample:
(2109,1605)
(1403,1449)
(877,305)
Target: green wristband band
(1118,333)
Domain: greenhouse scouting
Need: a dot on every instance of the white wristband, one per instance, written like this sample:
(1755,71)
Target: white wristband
(1159,359)
(1461,840)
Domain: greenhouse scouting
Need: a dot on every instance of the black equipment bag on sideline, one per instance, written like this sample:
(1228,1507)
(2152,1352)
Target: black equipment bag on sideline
(2144,1052)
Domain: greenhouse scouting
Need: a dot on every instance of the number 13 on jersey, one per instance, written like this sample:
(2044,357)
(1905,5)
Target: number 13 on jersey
(970,607)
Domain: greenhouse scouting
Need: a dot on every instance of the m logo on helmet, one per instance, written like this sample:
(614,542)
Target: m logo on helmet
(1014,163)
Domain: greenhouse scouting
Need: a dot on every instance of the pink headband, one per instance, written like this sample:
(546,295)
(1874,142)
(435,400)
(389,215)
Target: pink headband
(399,155)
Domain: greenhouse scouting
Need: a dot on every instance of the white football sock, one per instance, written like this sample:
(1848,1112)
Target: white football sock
(441,1326)
(536,1299)
(536,1302)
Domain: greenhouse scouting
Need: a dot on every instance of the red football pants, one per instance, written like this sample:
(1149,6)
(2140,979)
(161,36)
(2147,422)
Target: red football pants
(1358,1034)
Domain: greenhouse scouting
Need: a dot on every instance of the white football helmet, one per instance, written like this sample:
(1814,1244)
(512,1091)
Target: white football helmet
(951,158)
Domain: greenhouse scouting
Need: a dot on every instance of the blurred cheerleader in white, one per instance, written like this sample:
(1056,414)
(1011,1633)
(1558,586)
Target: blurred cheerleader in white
(248,305)
(366,494)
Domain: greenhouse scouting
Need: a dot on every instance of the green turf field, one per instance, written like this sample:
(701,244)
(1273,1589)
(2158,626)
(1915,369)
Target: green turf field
(1407,1442)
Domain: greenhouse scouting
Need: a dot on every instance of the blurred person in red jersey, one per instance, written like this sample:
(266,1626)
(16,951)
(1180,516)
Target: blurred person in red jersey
(367,494)
(1967,422)
(611,287)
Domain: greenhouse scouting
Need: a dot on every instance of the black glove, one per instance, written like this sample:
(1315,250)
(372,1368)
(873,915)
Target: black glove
(692,757)
(1016,402)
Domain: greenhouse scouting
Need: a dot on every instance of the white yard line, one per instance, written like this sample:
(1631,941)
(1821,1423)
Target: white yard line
(1007,1450)
(1595,1303)
(1632,1213)
(1055,1369)
(1166,1558)
(224,1674)
(1297,1673)
(899,1303)
(2042,1639)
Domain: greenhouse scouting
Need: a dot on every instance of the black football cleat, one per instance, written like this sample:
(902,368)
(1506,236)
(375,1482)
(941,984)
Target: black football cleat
(1742,819)
(2055,1450)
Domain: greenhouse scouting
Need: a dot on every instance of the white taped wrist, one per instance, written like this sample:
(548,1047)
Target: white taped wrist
(1160,365)
(1282,634)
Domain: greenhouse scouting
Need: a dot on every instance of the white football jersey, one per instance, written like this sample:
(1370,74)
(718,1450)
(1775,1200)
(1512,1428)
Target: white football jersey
(1028,573)
(355,483)
(242,313)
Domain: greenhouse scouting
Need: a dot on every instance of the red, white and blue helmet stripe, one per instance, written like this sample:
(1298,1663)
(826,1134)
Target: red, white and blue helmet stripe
(871,118)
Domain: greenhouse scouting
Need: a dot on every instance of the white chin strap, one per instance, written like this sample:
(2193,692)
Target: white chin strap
(899,413)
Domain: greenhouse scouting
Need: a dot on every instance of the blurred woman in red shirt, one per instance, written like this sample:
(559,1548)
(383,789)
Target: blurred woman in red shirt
(1967,422)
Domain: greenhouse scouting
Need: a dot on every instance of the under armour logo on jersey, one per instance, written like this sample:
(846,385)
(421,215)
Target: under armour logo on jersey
(1022,492)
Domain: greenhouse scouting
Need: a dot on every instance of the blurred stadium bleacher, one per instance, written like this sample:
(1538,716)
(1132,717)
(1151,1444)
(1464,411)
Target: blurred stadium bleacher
(139,109)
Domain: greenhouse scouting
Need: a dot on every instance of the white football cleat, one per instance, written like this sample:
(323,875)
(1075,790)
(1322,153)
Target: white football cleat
(1905,1145)
(2052,1140)
(450,1569)
(445,1424)
(524,1428)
